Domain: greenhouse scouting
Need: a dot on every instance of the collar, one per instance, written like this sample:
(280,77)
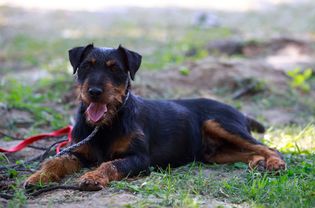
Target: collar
(127,94)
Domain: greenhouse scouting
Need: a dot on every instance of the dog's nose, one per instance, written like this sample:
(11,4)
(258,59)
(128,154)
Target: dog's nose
(94,91)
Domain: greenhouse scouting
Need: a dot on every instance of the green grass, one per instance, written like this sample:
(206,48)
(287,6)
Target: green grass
(38,52)
(19,199)
(292,139)
(292,188)
(33,99)
(190,186)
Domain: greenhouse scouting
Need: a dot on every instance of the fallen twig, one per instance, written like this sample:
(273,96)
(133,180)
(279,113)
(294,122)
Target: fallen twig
(84,141)
(246,90)
(6,196)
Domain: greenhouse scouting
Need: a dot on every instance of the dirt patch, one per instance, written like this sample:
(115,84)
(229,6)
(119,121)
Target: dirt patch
(18,118)
(107,198)
(73,199)
(208,75)
(281,53)
(279,116)
(265,60)
(205,75)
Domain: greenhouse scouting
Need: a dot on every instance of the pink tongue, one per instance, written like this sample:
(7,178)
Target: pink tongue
(95,111)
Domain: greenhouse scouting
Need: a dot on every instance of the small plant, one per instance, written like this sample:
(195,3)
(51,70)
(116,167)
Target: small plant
(19,199)
(184,71)
(300,78)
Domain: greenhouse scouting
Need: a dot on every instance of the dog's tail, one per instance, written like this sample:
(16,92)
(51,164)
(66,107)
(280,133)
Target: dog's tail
(254,125)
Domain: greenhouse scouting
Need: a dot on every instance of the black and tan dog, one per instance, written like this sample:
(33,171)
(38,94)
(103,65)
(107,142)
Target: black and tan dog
(136,133)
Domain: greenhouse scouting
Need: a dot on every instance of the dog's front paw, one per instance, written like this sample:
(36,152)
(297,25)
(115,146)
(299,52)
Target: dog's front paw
(39,178)
(275,164)
(93,181)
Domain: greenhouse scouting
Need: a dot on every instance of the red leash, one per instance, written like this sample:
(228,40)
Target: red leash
(60,132)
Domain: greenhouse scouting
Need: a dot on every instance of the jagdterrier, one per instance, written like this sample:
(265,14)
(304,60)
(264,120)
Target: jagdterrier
(136,133)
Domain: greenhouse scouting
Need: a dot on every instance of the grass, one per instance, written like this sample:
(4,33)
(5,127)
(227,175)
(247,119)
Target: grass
(192,186)
(39,52)
(293,188)
(19,199)
(21,96)
(292,139)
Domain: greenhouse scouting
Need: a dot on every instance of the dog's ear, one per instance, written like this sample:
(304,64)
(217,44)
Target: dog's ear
(77,54)
(132,60)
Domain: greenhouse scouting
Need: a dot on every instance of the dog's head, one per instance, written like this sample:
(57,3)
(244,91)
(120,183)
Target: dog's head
(103,78)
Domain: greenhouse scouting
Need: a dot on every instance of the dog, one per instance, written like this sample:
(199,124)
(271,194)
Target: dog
(136,133)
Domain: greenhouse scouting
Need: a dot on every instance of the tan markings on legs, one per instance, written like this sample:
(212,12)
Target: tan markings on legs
(273,160)
(214,128)
(100,177)
(230,155)
(55,169)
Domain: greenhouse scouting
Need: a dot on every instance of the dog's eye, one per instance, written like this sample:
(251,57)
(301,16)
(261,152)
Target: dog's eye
(114,68)
(111,64)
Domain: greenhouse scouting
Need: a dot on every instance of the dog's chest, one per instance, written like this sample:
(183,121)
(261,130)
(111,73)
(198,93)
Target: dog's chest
(119,146)
(111,146)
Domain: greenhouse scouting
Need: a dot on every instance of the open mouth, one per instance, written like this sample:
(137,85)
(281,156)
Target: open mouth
(96,111)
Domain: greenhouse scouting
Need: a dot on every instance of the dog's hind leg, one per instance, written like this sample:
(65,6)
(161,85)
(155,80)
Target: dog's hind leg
(242,147)
(230,154)
(55,169)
